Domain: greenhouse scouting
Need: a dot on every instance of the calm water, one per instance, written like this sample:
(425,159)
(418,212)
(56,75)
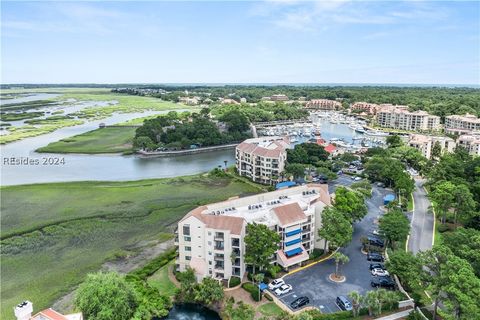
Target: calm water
(191,312)
(115,167)
(29,97)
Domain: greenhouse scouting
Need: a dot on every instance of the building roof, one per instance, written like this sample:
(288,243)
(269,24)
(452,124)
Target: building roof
(289,213)
(271,147)
(330,148)
(49,314)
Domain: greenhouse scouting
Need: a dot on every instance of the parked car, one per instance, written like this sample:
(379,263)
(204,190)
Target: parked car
(374,241)
(277,283)
(379,272)
(376,265)
(375,232)
(377,257)
(383,282)
(343,303)
(299,302)
(285,288)
(358,178)
(380,184)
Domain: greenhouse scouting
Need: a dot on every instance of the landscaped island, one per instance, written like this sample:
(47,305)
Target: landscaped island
(69,229)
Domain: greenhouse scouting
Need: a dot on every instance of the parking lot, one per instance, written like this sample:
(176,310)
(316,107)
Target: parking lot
(313,282)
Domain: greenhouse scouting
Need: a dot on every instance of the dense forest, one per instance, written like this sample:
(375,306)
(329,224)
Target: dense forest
(185,130)
(440,101)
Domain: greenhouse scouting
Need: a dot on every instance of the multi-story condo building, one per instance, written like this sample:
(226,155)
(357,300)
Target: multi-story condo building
(398,117)
(425,144)
(279,97)
(370,108)
(262,159)
(471,142)
(210,238)
(323,104)
(457,124)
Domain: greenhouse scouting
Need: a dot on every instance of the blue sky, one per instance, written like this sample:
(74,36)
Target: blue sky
(241,42)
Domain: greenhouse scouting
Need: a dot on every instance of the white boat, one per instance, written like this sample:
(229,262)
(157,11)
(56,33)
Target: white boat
(377,133)
(293,140)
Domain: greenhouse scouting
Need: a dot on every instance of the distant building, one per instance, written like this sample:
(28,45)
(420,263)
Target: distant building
(229,101)
(370,108)
(279,97)
(243,100)
(262,159)
(189,101)
(425,144)
(398,117)
(471,142)
(210,238)
(457,124)
(323,104)
(24,310)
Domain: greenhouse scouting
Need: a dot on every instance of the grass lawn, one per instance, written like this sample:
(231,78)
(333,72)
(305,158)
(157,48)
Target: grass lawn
(105,140)
(410,202)
(270,309)
(161,281)
(54,234)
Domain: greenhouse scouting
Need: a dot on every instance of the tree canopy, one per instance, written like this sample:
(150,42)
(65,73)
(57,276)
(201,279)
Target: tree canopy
(336,228)
(260,244)
(350,203)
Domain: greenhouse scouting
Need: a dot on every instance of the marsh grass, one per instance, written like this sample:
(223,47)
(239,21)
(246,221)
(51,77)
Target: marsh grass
(54,234)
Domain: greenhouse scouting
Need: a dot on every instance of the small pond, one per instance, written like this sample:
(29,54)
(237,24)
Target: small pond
(191,312)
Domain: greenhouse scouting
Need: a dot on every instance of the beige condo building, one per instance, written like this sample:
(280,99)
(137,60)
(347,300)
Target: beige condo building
(262,159)
(210,238)
(398,117)
(457,124)
(323,104)
(425,144)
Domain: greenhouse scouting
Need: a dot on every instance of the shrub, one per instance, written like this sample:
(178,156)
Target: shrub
(316,253)
(443,228)
(274,270)
(268,296)
(342,315)
(234,281)
(253,289)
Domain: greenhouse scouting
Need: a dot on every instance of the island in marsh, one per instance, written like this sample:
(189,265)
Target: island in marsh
(54,234)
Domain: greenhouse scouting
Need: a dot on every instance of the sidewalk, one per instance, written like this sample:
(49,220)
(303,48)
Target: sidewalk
(398,315)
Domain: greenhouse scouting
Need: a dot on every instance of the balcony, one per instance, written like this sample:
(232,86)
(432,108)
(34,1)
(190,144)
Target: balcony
(235,242)
(237,262)
(219,236)
(219,257)
(218,267)
(219,245)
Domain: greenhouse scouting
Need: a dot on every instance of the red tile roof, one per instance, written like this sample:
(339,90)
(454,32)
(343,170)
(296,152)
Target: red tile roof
(289,213)
(49,314)
(330,148)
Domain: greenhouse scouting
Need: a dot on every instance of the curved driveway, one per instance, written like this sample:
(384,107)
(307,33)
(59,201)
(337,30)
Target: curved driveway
(422,224)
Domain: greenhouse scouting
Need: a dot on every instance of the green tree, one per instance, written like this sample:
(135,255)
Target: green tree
(350,203)
(443,197)
(209,291)
(143,143)
(336,228)
(339,258)
(394,141)
(240,311)
(295,169)
(406,266)
(464,204)
(465,243)
(357,300)
(372,302)
(260,244)
(436,151)
(395,226)
(258,279)
(187,285)
(106,296)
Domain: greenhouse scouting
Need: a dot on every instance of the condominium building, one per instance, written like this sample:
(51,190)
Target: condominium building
(24,310)
(370,108)
(471,142)
(279,97)
(323,104)
(457,124)
(398,117)
(262,159)
(425,144)
(210,238)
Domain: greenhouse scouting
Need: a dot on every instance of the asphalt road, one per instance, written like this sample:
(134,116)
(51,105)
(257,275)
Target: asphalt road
(421,233)
(314,283)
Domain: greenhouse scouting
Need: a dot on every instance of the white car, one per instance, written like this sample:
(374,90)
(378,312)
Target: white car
(358,178)
(285,288)
(380,272)
(277,283)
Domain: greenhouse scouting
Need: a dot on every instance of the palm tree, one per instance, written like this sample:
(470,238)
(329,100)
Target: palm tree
(225,161)
(385,297)
(259,278)
(356,302)
(371,300)
(339,258)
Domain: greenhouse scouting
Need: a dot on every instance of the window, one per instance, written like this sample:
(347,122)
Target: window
(186,230)
(188,248)
(188,258)
(186,238)
(210,262)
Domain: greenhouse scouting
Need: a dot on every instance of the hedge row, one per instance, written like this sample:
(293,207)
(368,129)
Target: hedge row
(253,289)
(152,267)
(234,281)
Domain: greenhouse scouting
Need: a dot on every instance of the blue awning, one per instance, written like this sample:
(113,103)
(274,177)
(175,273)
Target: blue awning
(292,233)
(262,286)
(293,252)
(289,243)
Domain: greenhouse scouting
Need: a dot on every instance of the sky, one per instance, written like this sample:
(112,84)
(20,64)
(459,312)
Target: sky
(288,41)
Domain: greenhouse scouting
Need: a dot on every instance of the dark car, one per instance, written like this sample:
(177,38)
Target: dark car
(374,241)
(375,257)
(376,265)
(383,282)
(299,302)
